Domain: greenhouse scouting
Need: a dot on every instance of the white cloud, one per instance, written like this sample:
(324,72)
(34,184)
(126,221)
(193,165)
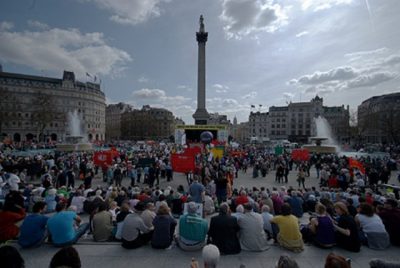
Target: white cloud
(130,12)
(158,96)
(250,95)
(143,79)
(338,73)
(38,25)
(244,17)
(359,54)
(58,49)
(317,5)
(369,80)
(288,95)
(303,33)
(146,93)
(6,25)
(369,69)
(392,60)
(184,87)
(220,88)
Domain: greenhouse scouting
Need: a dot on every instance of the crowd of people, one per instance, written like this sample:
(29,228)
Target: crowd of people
(44,197)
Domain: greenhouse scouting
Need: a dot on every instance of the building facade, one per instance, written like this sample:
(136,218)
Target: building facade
(36,108)
(338,118)
(278,123)
(295,122)
(258,127)
(218,119)
(301,119)
(379,119)
(147,123)
(113,119)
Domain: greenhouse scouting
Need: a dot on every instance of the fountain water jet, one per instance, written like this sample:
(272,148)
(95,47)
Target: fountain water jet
(324,141)
(76,141)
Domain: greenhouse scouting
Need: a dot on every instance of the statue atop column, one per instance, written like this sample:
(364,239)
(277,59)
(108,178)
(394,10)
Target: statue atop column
(201,24)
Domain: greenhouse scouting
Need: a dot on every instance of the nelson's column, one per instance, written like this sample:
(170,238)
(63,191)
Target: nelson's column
(201,115)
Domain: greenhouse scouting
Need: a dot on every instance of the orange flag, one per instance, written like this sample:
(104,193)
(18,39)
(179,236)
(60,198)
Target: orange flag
(353,163)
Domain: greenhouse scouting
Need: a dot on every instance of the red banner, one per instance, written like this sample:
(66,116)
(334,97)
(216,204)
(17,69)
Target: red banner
(182,163)
(353,163)
(192,151)
(237,153)
(300,155)
(105,158)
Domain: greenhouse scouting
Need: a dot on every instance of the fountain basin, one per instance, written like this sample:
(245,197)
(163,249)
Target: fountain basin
(319,147)
(323,149)
(74,144)
(78,147)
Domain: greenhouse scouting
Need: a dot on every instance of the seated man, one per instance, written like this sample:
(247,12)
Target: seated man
(61,227)
(102,224)
(252,236)
(223,231)
(192,230)
(390,215)
(134,232)
(33,230)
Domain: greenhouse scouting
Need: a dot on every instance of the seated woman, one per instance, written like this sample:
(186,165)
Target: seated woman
(289,235)
(372,231)
(321,228)
(164,228)
(346,229)
(11,216)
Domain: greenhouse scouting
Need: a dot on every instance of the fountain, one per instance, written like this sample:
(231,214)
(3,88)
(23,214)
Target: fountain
(76,140)
(324,141)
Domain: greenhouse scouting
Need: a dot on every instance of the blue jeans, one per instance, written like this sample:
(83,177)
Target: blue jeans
(79,232)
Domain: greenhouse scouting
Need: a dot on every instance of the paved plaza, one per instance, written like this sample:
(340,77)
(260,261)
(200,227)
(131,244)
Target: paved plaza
(113,255)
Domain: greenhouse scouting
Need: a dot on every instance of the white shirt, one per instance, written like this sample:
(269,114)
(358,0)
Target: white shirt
(372,224)
(13,181)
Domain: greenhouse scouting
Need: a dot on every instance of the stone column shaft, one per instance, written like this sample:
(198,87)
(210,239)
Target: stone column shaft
(201,77)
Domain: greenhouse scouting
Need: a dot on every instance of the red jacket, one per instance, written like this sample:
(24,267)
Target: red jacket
(8,219)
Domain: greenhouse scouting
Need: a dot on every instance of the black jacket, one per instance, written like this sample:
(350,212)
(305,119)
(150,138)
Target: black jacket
(223,233)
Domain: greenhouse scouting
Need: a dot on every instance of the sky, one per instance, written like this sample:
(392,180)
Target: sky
(259,52)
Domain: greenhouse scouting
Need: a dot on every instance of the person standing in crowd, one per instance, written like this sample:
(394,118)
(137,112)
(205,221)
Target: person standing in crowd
(224,231)
(197,191)
(301,177)
(33,230)
(117,175)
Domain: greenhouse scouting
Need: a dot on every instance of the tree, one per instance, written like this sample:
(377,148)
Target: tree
(3,100)
(45,112)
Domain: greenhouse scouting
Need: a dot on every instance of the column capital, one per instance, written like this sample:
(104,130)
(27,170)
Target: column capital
(201,37)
